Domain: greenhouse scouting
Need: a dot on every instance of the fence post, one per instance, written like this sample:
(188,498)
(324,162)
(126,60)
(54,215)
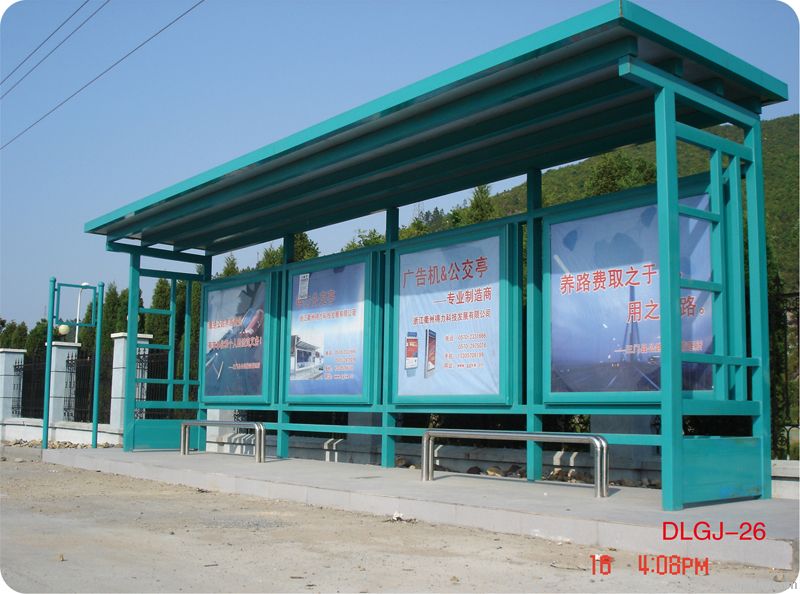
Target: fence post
(8,358)
(58,378)
(117,417)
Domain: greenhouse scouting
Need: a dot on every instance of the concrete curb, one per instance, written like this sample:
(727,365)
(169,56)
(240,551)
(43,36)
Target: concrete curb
(602,528)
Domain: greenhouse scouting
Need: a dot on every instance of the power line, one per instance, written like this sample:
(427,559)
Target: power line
(153,36)
(46,39)
(47,55)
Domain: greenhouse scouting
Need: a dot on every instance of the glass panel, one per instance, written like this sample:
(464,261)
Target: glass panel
(700,202)
(695,248)
(697,337)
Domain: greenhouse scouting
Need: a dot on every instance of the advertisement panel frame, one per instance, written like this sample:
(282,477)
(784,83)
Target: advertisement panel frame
(510,324)
(635,198)
(370,387)
(270,326)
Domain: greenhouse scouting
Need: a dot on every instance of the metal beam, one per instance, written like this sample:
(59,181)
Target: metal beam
(712,142)
(650,76)
(149,252)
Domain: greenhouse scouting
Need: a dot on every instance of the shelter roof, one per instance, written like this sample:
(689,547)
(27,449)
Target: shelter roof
(550,98)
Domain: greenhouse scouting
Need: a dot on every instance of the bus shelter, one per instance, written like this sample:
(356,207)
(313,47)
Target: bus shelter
(632,303)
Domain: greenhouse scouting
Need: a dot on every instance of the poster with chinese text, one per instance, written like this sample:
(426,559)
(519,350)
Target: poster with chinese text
(234,343)
(327,331)
(449,320)
(605,303)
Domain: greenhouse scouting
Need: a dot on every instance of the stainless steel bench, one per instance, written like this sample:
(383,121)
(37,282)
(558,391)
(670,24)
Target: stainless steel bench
(598,443)
(259,428)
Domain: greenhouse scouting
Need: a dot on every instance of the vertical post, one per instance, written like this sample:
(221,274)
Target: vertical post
(759,320)
(201,435)
(719,275)
(670,293)
(130,354)
(187,341)
(735,269)
(282,439)
(388,419)
(173,309)
(288,248)
(98,351)
(535,323)
(48,362)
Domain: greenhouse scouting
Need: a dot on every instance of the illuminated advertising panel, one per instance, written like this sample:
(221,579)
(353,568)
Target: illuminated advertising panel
(234,340)
(327,331)
(449,320)
(605,310)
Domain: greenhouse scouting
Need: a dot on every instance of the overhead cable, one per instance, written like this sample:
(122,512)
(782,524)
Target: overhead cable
(47,55)
(46,39)
(153,36)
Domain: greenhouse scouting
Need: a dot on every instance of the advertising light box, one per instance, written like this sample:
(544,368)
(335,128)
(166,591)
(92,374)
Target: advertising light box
(449,321)
(234,340)
(327,331)
(605,309)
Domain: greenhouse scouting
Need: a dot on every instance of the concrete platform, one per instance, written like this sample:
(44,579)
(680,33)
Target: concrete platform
(629,519)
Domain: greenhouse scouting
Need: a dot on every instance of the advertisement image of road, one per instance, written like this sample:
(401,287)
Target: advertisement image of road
(605,302)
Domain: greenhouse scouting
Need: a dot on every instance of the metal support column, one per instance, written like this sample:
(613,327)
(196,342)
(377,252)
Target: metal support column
(48,362)
(98,352)
(388,420)
(759,319)
(670,294)
(534,337)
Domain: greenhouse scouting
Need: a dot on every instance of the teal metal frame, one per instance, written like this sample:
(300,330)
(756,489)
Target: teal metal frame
(476,123)
(140,433)
(54,320)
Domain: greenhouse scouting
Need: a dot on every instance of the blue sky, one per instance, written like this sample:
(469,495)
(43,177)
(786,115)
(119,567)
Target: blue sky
(234,75)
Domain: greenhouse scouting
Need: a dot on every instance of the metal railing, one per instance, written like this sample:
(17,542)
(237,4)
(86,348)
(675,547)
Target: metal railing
(598,443)
(28,395)
(259,429)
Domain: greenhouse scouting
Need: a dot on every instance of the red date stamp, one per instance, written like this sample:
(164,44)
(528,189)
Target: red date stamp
(672,565)
(656,565)
(717,531)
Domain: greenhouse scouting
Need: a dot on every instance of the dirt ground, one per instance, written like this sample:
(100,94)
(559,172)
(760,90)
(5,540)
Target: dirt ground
(70,530)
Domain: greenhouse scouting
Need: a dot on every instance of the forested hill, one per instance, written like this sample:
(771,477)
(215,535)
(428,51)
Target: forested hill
(780,154)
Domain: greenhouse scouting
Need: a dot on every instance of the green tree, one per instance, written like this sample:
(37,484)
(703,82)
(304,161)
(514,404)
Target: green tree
(13,335)
(230,268)
(616,171)
(156,324)
(121,321)
(364,238)
(480,207)
(305,248)
(37,337)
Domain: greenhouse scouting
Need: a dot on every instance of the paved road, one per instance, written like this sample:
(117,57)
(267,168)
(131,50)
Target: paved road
(69,530)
